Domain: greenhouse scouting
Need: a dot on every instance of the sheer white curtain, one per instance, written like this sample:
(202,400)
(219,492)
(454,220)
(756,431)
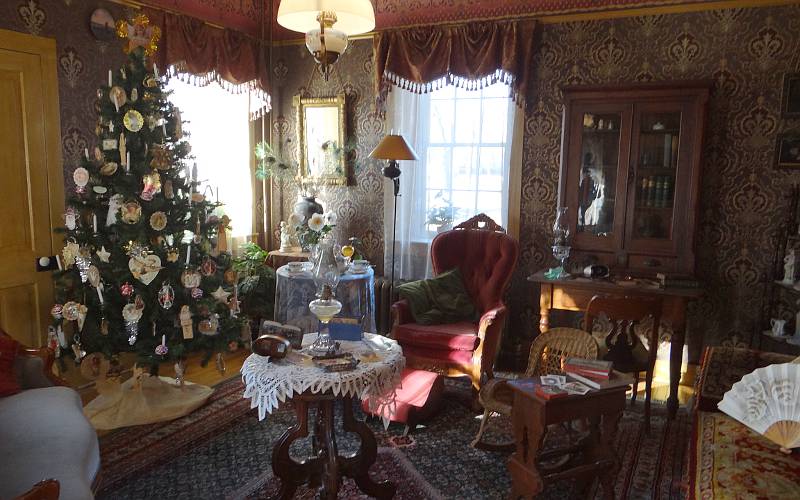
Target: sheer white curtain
(409,114)
(219,133)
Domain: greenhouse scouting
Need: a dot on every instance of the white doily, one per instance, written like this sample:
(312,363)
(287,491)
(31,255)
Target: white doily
(267,384)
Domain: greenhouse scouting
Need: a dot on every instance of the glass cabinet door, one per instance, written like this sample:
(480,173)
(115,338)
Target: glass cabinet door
(597,187)
(656,165)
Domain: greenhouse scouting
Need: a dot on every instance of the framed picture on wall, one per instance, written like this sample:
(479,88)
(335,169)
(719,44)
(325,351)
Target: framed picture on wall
(787,151)
(790,102)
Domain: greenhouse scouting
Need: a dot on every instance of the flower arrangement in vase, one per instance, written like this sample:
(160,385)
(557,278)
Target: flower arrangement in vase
(310,232)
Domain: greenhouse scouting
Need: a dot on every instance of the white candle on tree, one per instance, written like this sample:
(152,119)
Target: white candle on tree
(188,253)
(128,161)
(94,222)
(110,83)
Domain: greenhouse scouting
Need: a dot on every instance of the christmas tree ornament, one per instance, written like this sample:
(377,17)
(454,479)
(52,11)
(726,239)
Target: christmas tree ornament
(69,252)
(71,218)
(77,350)
(104,326)
(152,122)
(210,326)
(81,178)
(111,129)
(94,366)
(166,296)
(117,96)
(126,289)
(134,95)
(229,276)
(56,311)
(208,267)
(179,126)
(186,322)
(123,74)
(160,158)
(221,295)
(220,363)
(197,293)
(151,183)
(82,311)
(145,268)
(109,168)
(109,144)
(83,264)
(180,370)
(191,278)
(162,349)
(101,190)
(138,302)
(233,304)
(158,221)
(114,207)
(172,255)
(131,212)
(139,33)
(94,276)
(133,120)
(103,254)
(70,311)
(198,197)
(168,191)
(98,155)
(149,82)
(52,341)
(131,314)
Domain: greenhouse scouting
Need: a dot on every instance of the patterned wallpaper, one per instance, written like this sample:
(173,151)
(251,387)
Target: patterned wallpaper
(359,206)
(83,62)
(743,199)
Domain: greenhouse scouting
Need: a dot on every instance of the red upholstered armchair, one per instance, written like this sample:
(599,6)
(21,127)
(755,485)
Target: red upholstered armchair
(486,257)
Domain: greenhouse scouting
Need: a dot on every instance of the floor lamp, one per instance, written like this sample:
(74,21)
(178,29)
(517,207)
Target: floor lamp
(393,147)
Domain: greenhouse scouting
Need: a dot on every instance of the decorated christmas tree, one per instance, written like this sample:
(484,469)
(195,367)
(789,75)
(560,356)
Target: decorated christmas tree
(142,267)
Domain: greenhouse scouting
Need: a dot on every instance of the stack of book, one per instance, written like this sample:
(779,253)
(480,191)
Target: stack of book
(595,373)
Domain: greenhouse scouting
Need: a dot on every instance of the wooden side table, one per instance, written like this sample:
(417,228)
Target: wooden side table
(591,458)
(276,258)
(575,294)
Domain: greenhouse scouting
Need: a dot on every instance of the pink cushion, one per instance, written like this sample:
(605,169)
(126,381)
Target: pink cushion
(414,392)
(463,358)
(461,336)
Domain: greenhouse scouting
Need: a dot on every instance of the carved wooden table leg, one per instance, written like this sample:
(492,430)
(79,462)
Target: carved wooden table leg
(357,466)
(292,474)
(675,361)
(545,303)
(329,453)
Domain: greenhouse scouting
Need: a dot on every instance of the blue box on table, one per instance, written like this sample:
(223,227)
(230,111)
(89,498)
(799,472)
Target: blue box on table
(344,328)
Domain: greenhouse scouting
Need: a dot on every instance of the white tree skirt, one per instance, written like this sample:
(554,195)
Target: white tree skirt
(156,399)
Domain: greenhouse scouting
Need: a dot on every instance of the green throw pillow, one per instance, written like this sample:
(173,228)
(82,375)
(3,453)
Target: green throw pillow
(439,300)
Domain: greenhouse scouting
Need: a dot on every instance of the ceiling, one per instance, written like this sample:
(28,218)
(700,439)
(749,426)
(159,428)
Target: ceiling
(245,15)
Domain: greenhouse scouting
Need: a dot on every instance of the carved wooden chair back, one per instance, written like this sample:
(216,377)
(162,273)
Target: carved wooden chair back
(481,222)
(550,349)
(624,313)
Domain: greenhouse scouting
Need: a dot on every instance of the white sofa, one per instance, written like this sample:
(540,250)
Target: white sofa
(44,434)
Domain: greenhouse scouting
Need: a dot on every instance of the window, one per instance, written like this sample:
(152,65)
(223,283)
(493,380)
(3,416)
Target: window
(467,156)
(218,125)
(465,140)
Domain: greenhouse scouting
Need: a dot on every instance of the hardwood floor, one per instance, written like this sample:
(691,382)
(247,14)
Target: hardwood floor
(206,375)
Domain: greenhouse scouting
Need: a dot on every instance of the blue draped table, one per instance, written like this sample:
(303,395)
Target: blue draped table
(293,292)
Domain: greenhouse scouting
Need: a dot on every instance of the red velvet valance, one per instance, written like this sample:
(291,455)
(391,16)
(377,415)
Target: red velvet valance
(469,55)
(189,46)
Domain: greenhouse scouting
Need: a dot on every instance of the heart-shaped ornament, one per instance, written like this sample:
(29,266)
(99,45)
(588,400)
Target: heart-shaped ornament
(145,269)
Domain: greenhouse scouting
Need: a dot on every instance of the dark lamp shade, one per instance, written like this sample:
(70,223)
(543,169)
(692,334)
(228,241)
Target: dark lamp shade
(394,147)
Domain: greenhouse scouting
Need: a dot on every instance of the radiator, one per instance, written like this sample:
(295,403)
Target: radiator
(384,298)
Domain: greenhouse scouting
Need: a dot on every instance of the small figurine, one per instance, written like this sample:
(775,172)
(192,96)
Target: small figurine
(286,238)
(788,268)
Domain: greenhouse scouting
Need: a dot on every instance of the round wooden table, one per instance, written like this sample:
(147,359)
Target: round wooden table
(267,383)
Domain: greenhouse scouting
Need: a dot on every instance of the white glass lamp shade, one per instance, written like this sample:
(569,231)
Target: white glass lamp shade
(335,41)
(353,17)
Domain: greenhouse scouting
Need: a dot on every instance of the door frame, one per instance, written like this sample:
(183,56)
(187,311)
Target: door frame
(45,50)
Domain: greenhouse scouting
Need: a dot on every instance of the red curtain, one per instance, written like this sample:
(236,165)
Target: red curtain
(200,49)
(469,55)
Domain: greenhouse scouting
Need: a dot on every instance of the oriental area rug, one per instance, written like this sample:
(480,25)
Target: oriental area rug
(222,451)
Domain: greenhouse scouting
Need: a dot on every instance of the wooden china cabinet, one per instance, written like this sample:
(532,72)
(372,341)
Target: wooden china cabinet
(630,175)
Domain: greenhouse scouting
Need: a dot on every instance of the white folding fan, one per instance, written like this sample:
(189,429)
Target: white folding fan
(768,401)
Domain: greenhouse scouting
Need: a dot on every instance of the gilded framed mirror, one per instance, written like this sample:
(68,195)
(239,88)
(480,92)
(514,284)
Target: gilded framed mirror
(321,137)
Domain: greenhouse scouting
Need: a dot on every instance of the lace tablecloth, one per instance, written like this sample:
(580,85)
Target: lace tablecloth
(293,292)
(267,384)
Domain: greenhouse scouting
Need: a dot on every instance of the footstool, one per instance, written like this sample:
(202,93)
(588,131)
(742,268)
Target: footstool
(418,398)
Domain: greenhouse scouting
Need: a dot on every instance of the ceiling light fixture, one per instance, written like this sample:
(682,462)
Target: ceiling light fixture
(327,24)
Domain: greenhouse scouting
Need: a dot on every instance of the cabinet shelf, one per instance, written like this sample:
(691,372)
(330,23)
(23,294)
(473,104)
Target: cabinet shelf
(647,206)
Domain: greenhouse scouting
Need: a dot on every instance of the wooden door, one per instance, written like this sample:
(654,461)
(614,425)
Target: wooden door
(31,191)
